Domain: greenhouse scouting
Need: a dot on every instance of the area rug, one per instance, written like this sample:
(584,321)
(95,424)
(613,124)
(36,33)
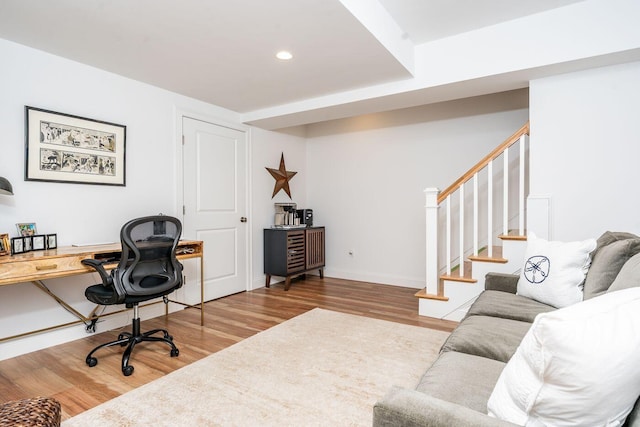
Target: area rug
(320,368)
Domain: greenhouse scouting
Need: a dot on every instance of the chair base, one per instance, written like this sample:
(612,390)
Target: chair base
(130,340)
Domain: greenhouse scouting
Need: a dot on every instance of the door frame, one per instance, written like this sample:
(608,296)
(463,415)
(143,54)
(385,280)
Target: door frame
(179,115)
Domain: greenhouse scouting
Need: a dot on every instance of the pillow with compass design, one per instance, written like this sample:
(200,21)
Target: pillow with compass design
(553,271)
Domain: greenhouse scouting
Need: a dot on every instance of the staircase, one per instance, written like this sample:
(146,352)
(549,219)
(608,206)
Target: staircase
(480,229)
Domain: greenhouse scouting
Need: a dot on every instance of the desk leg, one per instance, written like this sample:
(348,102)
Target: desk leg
(72,310)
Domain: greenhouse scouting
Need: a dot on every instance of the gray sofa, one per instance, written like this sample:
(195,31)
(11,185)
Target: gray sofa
(454,391)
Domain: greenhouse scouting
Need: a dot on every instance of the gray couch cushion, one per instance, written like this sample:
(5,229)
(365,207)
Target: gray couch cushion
(501,282)
(606,264)
(402,407)
(507,306)
(461,378)
(609,237)
(629,275)
(490,337)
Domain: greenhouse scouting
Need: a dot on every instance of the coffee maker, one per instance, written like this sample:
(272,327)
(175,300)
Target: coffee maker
(306,217)
(286,214)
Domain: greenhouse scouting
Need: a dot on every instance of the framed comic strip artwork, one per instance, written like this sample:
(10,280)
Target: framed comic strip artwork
(65,148)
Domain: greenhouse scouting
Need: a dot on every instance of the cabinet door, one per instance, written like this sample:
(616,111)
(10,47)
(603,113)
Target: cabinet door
(295,251)
(315,248)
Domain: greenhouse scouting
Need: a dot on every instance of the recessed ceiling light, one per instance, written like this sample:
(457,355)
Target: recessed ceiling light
(284,55)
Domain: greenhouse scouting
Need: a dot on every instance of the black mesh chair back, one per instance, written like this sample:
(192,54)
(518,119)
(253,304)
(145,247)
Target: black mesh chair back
(148,269)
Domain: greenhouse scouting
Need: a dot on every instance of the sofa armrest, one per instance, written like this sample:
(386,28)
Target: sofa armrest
(501,282)
(410,408)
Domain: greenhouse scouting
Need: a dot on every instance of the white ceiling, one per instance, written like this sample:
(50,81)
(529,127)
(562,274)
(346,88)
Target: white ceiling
(428,20)
(222,51)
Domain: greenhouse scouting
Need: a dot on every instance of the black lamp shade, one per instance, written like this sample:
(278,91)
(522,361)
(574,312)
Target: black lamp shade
(5,186)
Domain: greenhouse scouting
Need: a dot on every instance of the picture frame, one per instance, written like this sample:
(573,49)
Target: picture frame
(52,241)
(27,243)
(17,245)
(26,228)
(5,244)
(38,242)
(66,148)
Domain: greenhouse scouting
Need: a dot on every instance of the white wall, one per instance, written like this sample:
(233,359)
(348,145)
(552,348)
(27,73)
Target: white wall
(366,176)
(81,213)
(585,151)
(266,148)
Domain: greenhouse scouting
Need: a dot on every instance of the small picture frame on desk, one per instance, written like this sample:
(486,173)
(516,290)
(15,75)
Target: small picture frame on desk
(38,242)
(17,245)
(27,243)
(5,245)
(26,228)
(52,241)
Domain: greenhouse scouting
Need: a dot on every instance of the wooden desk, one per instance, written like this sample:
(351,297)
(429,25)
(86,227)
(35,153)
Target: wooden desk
(66,261)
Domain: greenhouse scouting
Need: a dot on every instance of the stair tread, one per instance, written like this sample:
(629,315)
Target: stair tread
(512,237)
(455,275)
(422,293)
(456,278)
(496,256)
(497,260)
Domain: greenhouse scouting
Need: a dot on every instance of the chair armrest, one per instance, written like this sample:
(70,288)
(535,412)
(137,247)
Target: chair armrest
(501,282)
(411,408)
(107,280)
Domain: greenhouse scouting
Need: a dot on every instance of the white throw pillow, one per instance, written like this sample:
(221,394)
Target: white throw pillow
(553,272)
(577,366)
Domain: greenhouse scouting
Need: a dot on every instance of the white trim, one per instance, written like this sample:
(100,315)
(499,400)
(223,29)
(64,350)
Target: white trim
(505,192)
(539,214)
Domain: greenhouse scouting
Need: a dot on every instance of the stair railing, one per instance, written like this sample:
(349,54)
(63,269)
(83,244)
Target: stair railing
(435,199)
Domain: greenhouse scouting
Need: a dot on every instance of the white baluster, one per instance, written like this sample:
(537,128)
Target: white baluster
(489,209)
(475,214)
(522,172)
(431,206)
(505,196)
(461,259)
(448,235)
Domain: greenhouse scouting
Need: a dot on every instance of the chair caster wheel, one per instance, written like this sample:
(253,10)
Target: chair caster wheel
(91,361)
(175,352)
(127,370)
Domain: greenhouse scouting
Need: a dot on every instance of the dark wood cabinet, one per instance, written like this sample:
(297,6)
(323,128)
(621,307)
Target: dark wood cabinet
(292,252)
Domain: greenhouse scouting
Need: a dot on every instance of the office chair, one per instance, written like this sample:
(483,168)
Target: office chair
(147,269)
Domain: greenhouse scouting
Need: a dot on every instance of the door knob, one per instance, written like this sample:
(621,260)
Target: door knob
(243,219)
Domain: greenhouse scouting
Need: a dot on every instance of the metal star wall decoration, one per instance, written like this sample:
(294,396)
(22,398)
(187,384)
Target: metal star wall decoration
(282,177)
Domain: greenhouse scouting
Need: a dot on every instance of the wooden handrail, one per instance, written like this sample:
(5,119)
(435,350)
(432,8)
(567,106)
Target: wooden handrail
(524,130)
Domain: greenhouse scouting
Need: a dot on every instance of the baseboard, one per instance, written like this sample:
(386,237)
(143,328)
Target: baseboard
(407,282)
(24,345)
(259,282)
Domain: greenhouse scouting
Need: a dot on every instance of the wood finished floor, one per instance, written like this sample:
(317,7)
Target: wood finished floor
(61,372)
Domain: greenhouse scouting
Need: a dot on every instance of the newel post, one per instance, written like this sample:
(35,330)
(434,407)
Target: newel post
(431,206)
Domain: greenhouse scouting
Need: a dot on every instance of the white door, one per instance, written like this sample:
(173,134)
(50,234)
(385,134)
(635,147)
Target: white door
(215,202)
